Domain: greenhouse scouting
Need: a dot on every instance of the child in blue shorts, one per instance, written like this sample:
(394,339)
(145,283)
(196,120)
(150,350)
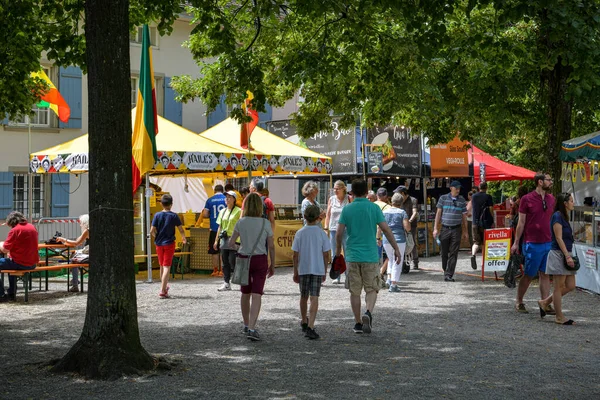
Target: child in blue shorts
(311,248)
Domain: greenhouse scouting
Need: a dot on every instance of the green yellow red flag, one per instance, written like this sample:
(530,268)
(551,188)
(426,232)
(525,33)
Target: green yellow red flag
(146,125)
(53,99)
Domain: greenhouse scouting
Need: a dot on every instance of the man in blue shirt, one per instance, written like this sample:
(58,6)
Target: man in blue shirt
(360,219)
(452,216)
(213,206)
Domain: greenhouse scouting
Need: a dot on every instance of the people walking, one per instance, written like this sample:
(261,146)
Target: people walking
(360,219)
(163,230)
(254,230)
(560,259)
(410,205)
(335,205)
(483,218)
(535,211)
(451,226)
(226,220)
(311,255)
(397,220)
(212,208)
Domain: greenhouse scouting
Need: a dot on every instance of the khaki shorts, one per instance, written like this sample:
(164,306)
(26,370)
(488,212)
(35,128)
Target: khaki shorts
(363,275)
(477,233)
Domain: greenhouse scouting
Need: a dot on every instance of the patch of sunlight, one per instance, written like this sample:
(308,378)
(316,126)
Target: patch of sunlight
(352,362)
(233,359)
(240,348)
(441,349)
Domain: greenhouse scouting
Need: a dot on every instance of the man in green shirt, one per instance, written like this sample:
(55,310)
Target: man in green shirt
(360,219)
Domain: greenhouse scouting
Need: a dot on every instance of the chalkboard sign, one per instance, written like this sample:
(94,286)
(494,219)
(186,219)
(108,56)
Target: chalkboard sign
(375,162)
(400,147)
(337,143)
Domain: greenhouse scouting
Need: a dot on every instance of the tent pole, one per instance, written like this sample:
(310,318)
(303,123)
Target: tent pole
(424,204)
(148,193)
(29,175)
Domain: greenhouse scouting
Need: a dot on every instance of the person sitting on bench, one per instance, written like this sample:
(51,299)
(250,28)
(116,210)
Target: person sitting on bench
(84,223)
(22,243)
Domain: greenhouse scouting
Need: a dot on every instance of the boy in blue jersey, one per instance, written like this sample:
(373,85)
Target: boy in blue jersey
(212,208)
(163,230)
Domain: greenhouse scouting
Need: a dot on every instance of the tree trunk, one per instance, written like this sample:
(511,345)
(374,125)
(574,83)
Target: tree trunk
(559,118)
(109,345)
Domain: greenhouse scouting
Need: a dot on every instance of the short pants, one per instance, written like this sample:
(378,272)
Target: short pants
(259,268)
(363,275)
(211,241)
(165,254)
(536,255)
(310,285)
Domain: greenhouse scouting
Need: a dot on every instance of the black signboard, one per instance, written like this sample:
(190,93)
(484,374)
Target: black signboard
(400,147)
(375,162)
(337,143)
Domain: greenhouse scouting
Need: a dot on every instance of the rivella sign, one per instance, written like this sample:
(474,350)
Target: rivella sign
(337,143)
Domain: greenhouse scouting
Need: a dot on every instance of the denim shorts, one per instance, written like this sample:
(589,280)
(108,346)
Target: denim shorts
(535,255)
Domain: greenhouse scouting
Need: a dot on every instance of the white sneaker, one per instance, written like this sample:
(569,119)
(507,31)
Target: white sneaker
(224,287)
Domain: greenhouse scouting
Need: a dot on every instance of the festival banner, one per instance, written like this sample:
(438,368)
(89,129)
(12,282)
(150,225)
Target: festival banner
(450,160)
(400,148)
(496,252)
(283,237)
(337,143)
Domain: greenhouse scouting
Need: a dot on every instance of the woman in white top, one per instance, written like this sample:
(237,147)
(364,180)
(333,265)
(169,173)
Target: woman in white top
(310,191)
(334,209)
(84,224)
(251,229)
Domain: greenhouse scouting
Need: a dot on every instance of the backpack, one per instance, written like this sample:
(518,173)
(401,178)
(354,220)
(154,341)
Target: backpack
(265,212)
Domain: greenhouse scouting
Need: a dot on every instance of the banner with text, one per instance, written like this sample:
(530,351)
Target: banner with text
(450,160)
(400,149)
(337,143)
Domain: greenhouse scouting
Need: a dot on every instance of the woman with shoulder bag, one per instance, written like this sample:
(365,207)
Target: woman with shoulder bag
(397,220)
(561,264)
(256,236)
(226,220)
(334,209)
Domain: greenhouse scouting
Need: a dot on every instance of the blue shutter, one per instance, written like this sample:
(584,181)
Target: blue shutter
(265,117)
(173,108)
(6,193)
(219,114)
(69,86)
(60,195)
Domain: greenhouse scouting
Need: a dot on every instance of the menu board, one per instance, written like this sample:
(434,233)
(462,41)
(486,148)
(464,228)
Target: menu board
(337,143)
(400,148)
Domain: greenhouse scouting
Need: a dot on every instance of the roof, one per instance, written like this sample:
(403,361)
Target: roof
(496,169)
(585,147)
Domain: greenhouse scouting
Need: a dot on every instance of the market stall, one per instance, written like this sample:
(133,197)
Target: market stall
(580,176)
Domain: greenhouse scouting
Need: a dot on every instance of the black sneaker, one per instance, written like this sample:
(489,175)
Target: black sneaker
(473,262)
(253,335)
(245,330)
(312,334)
(367,319)
(358,328)
(448,279)
(4,298)
(304,326)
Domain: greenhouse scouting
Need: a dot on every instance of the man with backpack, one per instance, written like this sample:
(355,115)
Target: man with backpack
(483,218)
(258,186)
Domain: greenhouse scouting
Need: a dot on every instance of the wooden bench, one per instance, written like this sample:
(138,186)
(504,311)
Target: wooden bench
(25,275)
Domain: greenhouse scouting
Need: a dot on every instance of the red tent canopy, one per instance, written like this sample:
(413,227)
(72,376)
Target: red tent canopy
(496,169)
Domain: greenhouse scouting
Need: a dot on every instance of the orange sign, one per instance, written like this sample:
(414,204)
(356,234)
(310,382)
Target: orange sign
(450,160)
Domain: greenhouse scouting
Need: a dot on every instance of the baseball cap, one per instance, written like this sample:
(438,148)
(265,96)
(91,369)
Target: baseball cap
(401,189)
(338,266)
(382,191)
(232,194)
(455,184)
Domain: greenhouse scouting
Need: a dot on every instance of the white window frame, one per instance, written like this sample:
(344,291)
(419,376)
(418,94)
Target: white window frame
(21,194)
(160,92)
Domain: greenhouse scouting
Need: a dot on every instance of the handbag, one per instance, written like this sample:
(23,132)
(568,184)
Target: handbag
(410,243)
(575,266)
(241,273)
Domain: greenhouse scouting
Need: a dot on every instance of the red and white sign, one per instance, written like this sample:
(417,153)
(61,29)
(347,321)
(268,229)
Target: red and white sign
(496,252)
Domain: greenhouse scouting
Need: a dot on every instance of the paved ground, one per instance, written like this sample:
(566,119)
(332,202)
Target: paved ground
(433,340)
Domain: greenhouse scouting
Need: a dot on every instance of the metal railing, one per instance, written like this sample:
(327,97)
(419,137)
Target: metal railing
(67,226)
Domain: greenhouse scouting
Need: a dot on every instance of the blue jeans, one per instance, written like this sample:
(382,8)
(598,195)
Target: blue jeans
(6,264)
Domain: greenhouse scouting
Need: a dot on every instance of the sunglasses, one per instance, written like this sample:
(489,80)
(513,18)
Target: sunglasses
(544,205)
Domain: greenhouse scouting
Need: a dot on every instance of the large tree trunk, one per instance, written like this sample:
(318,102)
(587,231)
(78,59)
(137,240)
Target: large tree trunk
(109,345)
(559,118)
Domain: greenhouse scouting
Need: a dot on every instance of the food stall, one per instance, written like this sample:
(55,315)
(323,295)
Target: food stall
(283,158)
(580,176)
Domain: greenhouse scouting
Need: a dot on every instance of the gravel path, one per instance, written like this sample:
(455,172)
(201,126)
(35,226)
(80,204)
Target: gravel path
(434,339)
